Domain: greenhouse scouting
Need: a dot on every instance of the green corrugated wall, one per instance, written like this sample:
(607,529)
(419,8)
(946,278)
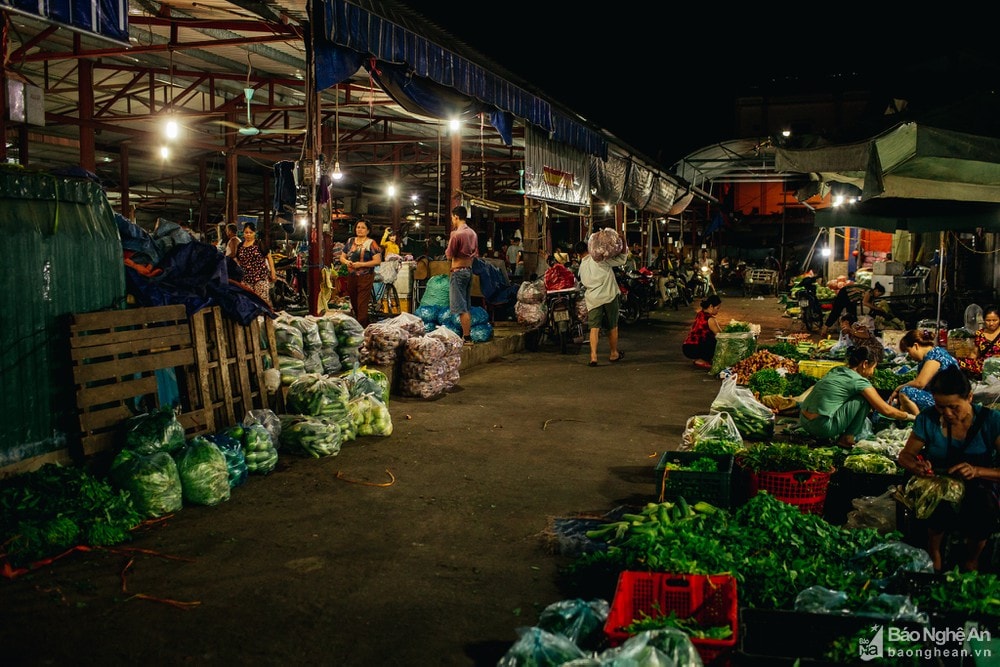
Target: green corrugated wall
(61,255)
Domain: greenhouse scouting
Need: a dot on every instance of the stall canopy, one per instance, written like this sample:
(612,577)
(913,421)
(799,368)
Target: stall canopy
(913,215)
(908,161)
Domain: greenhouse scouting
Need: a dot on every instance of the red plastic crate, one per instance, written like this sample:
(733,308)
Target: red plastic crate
(806,489)
(709,598)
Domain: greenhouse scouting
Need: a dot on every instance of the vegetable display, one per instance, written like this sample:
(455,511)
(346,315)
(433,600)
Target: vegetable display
(753,419)
(785,457)
(870,462)
(745,369)
(49,510)
(768,382)
(772,548)
(156,431)
(924,494)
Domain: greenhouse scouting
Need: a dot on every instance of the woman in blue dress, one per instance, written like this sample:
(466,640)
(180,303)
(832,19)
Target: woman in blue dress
(919,345)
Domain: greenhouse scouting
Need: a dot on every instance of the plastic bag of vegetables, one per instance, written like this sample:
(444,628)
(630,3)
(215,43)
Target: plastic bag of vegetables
(870,462)
(151,480)
(924,494)
(203,472)
(363,380)
(236,460)
(370,415)
(753,419)
(731,348)
(714,433)
(314,436)
(539,647)
(156,431)
(266,418)
(318,395)
(259,450)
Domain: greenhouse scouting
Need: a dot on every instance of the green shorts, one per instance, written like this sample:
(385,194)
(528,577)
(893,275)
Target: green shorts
(606,316)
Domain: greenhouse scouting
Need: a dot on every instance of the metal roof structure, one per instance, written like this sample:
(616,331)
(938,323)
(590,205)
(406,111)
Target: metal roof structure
(194,61)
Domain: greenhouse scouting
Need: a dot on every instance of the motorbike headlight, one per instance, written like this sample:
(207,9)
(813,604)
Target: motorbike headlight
(705,269)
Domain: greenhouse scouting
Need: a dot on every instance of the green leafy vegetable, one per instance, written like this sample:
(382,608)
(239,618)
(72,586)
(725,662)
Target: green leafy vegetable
(49,510)
(768,382)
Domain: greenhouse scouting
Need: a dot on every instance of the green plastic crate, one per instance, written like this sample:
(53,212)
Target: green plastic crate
(715,488)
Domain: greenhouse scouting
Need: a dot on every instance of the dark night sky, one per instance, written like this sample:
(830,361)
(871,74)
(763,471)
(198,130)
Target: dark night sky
(666,85)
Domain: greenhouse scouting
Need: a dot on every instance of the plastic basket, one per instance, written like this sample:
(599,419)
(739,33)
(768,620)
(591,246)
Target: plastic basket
(709,598)
(712,487)
(817,369)
(805,489)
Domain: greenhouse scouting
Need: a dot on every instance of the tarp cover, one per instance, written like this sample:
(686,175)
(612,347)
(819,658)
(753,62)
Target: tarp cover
(909,161)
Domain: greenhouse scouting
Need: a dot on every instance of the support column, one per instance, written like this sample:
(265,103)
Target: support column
(456,172)
(85,95)
(123,189)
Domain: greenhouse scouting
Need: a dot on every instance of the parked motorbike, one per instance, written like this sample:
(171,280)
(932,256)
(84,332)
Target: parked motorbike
(637,294)
(562,325)
(289,290)
(810,310)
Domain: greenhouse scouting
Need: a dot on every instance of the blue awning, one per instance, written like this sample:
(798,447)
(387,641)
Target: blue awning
(352,35)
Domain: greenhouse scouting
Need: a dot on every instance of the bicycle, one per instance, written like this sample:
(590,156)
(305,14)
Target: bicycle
(385,299)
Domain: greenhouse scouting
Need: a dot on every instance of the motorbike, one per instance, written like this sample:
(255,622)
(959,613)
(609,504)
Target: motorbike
(637,294)
(562,323)
(676,292)
(700,282)
(289,290)
(810,310)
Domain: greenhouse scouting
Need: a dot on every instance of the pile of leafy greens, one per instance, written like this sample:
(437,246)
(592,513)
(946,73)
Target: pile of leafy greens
(54,508)
(772,549)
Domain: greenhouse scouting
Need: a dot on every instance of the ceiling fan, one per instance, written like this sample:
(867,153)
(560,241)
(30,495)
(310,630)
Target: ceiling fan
(251,130)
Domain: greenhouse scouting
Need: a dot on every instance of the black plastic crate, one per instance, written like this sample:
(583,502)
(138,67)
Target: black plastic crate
(715,488)
(846,485)
(778,636)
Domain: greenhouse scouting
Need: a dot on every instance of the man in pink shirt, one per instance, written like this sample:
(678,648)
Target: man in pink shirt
(463,246)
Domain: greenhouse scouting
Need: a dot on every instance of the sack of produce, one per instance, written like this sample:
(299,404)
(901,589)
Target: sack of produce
(259,450)
(203,472)
(363,380)
(714,433)
(605,243)
(151,481)
(558,277)
(753,419)
(531,291)
(266,418)
(370,416)
(311,435)
(288,339)
(318,395)
(156,431)
(436,292)
(531,315)
(412,324)
(236,460)
(731,348)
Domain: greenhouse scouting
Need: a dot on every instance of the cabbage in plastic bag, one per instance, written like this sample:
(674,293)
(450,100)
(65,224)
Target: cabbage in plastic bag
(203,472)
(156,431)
(151,480)
(579,621)
(538,648)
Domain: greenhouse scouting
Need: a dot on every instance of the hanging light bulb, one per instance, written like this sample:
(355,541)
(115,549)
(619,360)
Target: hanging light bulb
(337,173)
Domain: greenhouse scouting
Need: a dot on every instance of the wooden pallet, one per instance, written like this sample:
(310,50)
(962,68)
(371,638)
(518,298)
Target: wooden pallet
(231,360)
(218,363)
(115,356)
